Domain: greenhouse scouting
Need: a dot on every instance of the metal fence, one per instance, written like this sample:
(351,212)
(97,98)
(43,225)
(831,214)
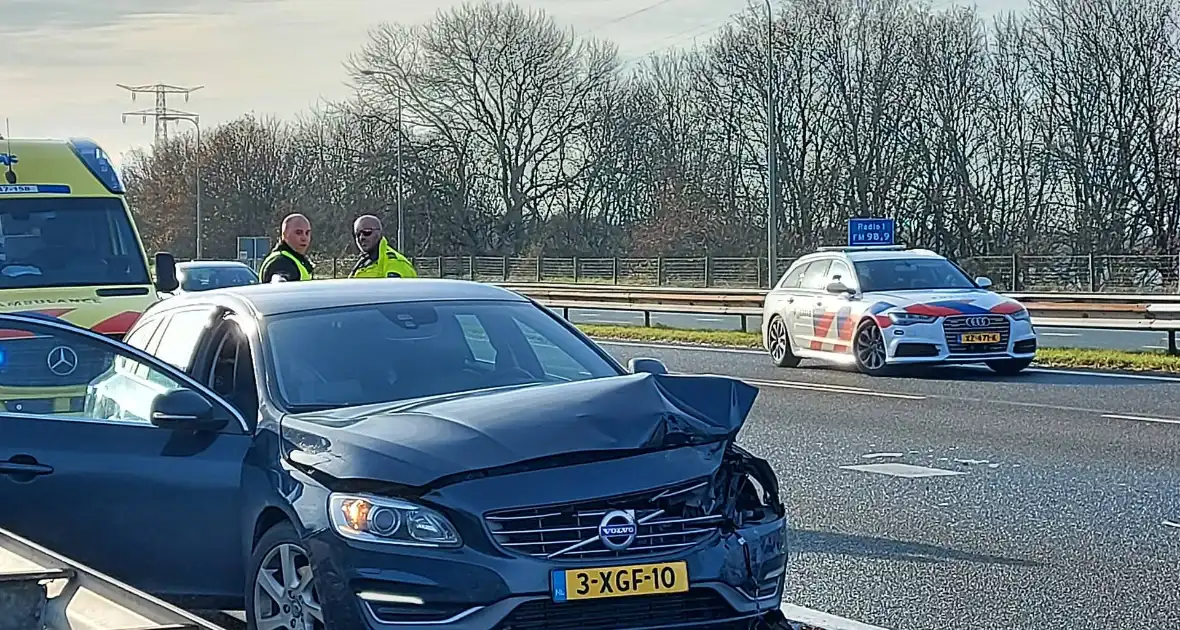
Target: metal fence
(1085,274)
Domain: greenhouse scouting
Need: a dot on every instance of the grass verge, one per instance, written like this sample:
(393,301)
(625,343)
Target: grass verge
(1083,358)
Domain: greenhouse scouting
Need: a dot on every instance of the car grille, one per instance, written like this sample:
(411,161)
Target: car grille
(959,324)
(542,531)
(699,606)
(26,363)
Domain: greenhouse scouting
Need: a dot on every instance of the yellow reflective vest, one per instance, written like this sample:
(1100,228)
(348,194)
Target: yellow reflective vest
(275,254)
(389,264)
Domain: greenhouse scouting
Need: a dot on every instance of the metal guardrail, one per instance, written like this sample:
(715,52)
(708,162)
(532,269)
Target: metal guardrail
(42,590)
(1054,310)
(1155,274)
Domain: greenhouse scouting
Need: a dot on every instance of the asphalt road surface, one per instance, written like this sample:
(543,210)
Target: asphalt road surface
(1049,337)
(957,500)
(954,499)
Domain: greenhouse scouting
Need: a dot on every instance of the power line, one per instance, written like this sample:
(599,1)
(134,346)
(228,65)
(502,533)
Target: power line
(161,112)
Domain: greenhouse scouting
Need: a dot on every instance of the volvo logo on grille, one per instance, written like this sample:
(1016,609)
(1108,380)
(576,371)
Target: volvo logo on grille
(62,360)
(617,530)
(978,322)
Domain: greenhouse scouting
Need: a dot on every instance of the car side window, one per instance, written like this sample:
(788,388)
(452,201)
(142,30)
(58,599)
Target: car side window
(554,361)
(66,374)
(231,375)
(477,338)
(816,276)
(792,278)
(183,330)
(840,271)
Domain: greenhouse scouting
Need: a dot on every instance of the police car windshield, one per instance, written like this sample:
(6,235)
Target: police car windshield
(342,357)
(910,274)
(68,242)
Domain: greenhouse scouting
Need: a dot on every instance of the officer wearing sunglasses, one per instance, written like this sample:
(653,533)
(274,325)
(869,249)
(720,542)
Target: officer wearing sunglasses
(377,258)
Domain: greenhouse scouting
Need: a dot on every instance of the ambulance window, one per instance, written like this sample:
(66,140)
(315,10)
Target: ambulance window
(68,241)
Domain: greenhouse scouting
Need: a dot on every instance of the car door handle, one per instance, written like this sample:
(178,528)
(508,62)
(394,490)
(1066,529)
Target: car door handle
(19,468)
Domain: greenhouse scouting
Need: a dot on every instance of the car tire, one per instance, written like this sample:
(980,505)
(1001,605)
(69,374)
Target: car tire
(279,552)
(868,349)
(778,342)
(1009,367)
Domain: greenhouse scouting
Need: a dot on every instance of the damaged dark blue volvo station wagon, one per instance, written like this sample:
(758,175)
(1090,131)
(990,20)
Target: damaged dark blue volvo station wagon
(378,454)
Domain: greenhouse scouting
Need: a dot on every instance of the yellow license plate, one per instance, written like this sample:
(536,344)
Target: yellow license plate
(626,581)
(980,338)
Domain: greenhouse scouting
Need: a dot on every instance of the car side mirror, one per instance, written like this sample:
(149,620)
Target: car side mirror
(649,366)
(838,287)
(983,282)
(185,410)
(166,280)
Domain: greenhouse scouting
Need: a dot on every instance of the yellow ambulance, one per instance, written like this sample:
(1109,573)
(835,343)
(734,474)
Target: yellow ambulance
(69,249)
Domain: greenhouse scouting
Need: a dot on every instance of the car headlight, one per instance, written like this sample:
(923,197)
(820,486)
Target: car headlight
(906,319)
(391,521)
(1021,315)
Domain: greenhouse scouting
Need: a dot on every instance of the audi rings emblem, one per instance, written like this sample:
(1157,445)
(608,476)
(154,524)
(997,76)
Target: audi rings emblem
(617,530)
(62,360)
(978,322)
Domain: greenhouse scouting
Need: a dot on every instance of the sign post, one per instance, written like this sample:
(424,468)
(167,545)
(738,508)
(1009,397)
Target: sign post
(867,232)
(252,249)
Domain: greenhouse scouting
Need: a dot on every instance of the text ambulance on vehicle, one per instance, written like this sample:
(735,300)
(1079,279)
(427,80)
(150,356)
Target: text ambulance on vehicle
(69,249)
(877,305)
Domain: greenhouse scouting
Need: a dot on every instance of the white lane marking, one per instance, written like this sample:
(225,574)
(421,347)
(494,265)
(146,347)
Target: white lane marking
(1155,347)
(1171,524)
(699,348)
(1115,416)
(1056,334)
(903,470)
(824,620)
(879,455)
(833,389)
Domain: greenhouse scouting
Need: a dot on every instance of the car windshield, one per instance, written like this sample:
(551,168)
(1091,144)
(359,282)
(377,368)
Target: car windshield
(68,242)
(206,278)
(358,355)
(910,274)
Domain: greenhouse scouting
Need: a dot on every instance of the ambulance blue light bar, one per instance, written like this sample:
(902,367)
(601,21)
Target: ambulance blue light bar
(96,160)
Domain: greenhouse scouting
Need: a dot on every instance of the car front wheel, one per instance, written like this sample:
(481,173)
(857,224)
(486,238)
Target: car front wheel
(282,594)
(869,349)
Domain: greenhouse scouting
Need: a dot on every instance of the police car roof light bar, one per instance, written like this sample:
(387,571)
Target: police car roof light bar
(863,248)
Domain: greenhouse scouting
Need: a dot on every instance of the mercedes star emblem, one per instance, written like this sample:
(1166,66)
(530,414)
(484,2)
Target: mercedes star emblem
(62,360)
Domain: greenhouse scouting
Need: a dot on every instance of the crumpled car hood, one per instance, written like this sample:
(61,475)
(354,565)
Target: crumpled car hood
(419,443)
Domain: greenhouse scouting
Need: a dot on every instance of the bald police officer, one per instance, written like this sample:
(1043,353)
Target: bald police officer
(377,259)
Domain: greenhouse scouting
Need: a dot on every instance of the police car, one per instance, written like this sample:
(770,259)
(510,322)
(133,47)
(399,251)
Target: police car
(884,306)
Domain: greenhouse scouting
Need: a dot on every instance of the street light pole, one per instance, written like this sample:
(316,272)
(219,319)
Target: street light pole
(771,156)
(400,221)
(400,216)
(195,119)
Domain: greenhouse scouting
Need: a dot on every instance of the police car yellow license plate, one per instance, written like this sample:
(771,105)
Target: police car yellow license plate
(625,581)
(980,338)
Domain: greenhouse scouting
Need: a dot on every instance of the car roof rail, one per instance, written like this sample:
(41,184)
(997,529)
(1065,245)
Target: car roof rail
(863,248)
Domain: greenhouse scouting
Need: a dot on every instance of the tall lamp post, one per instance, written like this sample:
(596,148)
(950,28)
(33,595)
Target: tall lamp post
(771,155)
(196,121)
(400,221)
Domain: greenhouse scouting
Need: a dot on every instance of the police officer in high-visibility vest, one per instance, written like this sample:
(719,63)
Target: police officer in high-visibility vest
(377,259)
(288,261)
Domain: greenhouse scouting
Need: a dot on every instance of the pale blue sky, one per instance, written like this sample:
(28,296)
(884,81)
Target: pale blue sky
(62,58)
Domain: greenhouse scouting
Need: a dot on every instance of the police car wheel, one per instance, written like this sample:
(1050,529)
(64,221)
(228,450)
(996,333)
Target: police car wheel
(778,342)
(868,348)
(1009,367)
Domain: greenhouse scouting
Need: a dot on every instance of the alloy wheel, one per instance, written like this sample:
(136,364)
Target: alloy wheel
(285,596)
(870,348)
